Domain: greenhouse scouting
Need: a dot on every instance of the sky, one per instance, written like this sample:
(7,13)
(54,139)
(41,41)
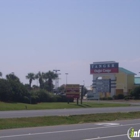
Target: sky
(68,35)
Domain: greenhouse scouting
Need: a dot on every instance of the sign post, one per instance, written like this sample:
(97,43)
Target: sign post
(82,88)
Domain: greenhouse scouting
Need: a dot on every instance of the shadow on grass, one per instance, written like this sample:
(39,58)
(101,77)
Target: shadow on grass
(83,105)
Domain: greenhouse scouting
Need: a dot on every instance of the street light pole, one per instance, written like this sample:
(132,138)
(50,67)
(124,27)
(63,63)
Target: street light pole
(56,80)
(66,87)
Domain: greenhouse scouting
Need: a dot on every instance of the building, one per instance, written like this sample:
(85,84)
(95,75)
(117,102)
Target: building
(125,81)
(110,76)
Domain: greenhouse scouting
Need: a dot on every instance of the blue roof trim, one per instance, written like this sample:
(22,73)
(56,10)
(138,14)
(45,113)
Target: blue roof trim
(126,71)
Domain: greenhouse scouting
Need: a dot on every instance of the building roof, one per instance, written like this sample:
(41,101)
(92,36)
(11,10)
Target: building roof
(104,62)
(126,71)
(137,80)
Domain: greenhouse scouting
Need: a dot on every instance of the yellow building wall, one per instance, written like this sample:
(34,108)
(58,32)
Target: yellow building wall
(124,83)
(130,82)
(121,81)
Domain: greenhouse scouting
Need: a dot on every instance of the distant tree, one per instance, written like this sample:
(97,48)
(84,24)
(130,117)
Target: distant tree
(0,74)
(18,91)
(85,90)
(12,77)
(27,86)
(50,76)
(61,88)
(46,79)
(5,90)
(35,87)
(40,76)
(31,77)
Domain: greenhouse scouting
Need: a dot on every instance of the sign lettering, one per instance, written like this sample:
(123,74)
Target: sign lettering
(104,68)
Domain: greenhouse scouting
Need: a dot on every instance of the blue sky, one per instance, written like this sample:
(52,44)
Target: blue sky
(42,35)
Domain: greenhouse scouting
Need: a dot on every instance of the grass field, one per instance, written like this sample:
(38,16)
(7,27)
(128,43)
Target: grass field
(22,106)
(61,120)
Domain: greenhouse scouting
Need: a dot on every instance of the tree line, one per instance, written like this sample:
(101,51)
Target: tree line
(13,90)
(45,79)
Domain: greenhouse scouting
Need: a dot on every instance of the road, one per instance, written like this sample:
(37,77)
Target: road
(116,130)
(64,112)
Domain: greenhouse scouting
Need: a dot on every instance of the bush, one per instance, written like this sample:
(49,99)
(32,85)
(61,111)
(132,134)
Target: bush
(5,91)
(18,91)
(103,98)
(135,93)
(106,98)
(115,97)
(127,97)
(109,98)
(45,96)
(34,99)
(60,98)
(53,99)
(120,96)
(26,99)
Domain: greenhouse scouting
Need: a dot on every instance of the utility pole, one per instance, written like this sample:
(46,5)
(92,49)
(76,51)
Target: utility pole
(66,87)
(82,89)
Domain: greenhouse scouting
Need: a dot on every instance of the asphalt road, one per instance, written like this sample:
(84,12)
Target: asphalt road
(116,130)
(64,112)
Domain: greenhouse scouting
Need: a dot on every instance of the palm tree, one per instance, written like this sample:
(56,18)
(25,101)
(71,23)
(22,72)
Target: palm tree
(12,77)
(40,77)
(0,74)
(50,76)
(31,77)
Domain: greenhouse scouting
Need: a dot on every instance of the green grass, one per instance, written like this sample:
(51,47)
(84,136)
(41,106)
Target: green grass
(22,106)
(62,120)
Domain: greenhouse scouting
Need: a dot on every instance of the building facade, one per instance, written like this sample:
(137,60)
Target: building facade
(120,80)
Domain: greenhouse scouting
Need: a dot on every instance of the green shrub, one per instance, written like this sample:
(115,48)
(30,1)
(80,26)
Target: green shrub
(103,98)
(106,98)
(109,98)
(26,99)
(34,99)
(135,93)
(128,97)
(44,96)
(53,98)
(120,96)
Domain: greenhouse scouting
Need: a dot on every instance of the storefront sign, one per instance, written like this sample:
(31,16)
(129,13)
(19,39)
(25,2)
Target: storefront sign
(103,68)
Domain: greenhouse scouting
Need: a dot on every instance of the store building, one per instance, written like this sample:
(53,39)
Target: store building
(109,79)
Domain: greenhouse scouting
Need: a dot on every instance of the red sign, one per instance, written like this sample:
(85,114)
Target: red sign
(104,68)
(113,70)
(72,95)
(73,90)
